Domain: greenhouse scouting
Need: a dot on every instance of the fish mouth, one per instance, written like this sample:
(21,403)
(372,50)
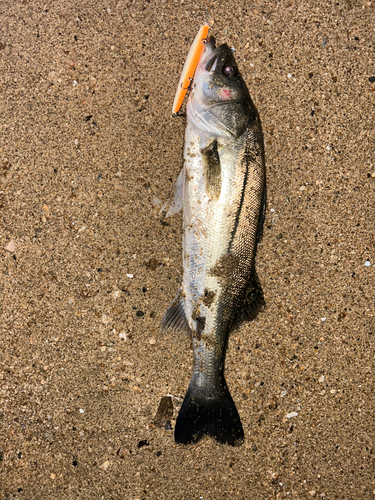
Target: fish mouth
(213,55)
(208,52)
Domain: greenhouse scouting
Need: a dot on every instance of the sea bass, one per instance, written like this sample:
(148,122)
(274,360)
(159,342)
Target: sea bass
(222,191)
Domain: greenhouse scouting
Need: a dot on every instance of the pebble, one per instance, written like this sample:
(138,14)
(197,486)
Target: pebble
(367,263)
(122,335)
(105,465)
(321,379)
(10,246)
(292,414)
(143,443)
(323,319)
(156,202)
(106,319)
(130,275)
(152,341)
(81,411)
(52,77)
(164,412)
(312,493)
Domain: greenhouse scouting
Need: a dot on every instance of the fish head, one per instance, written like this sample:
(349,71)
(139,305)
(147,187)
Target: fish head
(219,102)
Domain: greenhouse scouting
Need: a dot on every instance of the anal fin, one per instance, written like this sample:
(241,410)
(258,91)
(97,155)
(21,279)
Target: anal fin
(175,316)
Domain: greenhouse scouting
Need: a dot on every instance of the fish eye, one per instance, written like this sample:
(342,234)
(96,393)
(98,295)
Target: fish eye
(229,70)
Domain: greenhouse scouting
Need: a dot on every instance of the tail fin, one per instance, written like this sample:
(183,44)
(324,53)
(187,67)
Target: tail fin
(216,417)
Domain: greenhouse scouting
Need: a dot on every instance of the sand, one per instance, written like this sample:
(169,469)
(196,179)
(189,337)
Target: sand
(88,151)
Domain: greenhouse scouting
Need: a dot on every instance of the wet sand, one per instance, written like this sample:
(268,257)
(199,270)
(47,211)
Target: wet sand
(88,151)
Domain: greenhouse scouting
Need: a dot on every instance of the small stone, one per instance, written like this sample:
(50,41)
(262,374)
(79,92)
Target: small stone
(274,477)
(106,319)
(367,263)
(302,188)
(53,475)
(152,341)
(105,465)
(143,443)
(81,411)
(371,79)
(139,314)
(292,414)
(164,412)
(130,275)
(122,335)
(168,426)
(254,447)
(323,319)
(312,493)
(52,77)
(10,246)
(321,379)
(152,264)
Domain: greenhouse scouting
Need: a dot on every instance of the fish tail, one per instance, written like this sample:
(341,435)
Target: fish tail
(215,416)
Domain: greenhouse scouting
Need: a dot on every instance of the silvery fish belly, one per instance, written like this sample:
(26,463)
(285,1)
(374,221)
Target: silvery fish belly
(222,191)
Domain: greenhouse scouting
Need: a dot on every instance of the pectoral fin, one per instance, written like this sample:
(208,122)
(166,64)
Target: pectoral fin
(176,200)
(212,170)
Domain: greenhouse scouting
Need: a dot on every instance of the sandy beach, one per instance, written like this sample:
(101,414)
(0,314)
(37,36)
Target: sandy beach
(88,153)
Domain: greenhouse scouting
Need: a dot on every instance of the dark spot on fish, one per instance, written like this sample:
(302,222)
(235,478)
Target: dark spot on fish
(225,267)
(208,298)
(201,323)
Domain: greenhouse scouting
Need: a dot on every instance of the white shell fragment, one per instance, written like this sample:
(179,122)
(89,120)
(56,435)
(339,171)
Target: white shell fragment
(292,414)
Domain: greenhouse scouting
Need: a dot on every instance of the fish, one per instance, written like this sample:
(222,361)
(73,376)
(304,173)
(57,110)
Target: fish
(222,190)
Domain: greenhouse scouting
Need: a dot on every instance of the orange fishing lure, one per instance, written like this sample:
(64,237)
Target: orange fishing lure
(190,66)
